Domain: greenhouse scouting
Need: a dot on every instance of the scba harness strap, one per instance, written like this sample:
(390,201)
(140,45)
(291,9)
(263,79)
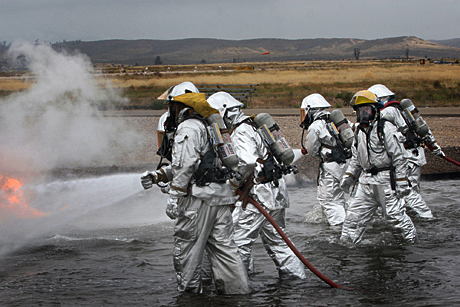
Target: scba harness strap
(208,172)
(271,170)
(209,169)
(412,141)
(374,170)
(339,153)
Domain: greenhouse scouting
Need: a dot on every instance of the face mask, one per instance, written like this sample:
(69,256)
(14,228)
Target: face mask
(307,121)
(365,115)
(385,99)
(309,117)
(230,115)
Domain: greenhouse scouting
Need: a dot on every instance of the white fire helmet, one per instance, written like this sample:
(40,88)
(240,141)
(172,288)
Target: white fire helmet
(310,106)
(382,93)
(182,88)
(227,106)
(314,101)
(222,101)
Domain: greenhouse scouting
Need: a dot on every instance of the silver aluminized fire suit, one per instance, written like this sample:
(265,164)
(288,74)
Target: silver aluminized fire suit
(375,190)
(250,222)
(415,158)
(204,218)
(319,143)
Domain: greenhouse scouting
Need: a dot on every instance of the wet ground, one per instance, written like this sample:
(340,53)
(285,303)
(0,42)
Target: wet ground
(105,241)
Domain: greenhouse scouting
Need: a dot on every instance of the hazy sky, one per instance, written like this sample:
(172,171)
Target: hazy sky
(88,20)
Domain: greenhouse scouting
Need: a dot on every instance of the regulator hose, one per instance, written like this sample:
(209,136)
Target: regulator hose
(291,246)
(444,157)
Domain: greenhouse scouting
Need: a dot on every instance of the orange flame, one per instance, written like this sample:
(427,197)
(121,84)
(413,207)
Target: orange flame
(13,202)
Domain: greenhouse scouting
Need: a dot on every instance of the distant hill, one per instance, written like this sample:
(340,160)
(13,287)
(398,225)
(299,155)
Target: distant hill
(454,42)
(195,50)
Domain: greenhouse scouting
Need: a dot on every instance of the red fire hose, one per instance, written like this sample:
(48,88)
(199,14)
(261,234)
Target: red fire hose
(444,157)
(293,248)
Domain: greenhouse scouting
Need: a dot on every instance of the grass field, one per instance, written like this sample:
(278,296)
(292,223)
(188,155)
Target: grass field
(285,84)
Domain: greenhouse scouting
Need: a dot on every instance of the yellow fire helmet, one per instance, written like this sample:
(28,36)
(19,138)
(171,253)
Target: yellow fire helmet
(198,102)
(363,97)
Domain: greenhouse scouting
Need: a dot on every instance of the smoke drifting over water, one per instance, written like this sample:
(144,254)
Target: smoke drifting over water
(56,122)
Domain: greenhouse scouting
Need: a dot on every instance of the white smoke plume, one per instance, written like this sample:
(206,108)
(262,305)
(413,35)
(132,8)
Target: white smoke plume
(56,122)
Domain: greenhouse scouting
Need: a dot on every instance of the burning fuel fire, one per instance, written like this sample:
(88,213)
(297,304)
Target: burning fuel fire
(13,203)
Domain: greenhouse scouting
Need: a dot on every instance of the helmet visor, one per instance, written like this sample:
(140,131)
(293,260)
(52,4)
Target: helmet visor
(364,111)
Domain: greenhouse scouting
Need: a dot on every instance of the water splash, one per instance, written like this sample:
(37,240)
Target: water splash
(113,201)
(56,123)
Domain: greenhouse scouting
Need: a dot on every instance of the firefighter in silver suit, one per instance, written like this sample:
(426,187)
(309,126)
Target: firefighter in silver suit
(415,155)
(202,213)
(319,143)
(249,222)
(379,156)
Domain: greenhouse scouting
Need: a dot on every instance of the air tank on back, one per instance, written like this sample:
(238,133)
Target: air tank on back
(412,115)
(273,137)
(223,142)
(346,134)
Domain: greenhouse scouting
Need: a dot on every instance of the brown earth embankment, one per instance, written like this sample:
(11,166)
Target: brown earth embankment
(444,123)
(445,128)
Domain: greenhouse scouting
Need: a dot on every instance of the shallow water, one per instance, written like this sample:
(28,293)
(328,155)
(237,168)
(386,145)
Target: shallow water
(105,241)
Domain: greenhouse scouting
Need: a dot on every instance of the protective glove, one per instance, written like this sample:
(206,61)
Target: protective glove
(172,207)
(437,150)
(165,188)
(346,182)
(402,188)
(148,179)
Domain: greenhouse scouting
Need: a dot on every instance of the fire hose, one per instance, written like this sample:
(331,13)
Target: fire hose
(444,157)
(291,246)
